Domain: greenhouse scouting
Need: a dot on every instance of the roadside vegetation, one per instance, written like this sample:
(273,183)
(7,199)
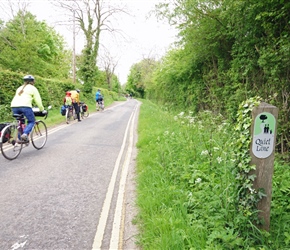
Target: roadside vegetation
(194,191)
(189,190)
(52,93)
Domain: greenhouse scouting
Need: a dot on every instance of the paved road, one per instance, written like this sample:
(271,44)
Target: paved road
(69,195)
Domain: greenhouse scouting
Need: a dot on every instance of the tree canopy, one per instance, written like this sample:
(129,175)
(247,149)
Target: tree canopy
(27,45)
(228,51)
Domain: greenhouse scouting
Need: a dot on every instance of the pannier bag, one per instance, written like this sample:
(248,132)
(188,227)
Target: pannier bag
(63,110)
(85,108)
(7,133)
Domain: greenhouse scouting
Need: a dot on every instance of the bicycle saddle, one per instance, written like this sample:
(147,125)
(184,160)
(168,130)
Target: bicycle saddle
(18,116)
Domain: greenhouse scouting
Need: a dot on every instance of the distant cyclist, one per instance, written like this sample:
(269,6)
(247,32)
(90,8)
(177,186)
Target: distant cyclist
(99,98)
(75,95)
(22,103)
(67,101)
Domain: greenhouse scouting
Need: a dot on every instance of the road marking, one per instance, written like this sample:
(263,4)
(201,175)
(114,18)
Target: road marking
(107,202)
(118,224)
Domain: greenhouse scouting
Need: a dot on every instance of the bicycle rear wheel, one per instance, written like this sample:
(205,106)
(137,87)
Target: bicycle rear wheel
(39,135)
(10,148)
(69,115)
(86,114)
(101,106)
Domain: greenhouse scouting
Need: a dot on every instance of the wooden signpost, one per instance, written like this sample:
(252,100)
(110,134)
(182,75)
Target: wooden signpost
(264,129)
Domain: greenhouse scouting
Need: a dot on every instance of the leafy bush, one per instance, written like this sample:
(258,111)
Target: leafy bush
(51,91)
(193,187)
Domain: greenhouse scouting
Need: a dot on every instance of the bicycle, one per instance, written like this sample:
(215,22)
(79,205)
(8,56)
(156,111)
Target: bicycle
(84,110)
(10,140)
(101,104)
(69,114)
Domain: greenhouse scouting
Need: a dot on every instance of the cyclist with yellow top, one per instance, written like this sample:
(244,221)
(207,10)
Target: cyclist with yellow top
(22,103)
(75,96)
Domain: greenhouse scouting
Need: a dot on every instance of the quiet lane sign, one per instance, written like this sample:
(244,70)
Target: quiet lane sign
(263,139)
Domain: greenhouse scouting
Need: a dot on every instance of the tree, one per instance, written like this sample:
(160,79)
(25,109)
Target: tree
(30,46)
(140,77)
(108,64)
(93,17)
(233,50)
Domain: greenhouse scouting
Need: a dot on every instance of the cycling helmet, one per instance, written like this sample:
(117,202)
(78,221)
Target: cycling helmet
(29,78)
(68,93)
(77,90)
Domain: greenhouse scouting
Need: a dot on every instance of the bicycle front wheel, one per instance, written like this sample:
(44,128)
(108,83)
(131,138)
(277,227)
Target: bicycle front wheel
(39,135)
(86,114)
(9,143)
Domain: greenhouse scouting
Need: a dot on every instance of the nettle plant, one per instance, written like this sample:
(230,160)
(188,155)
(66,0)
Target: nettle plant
(247,196)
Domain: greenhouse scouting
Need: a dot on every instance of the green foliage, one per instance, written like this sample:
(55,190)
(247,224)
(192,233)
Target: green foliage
(51,91)
(228,51)
(140,77)
(247,196)
(189,196)
(28,45)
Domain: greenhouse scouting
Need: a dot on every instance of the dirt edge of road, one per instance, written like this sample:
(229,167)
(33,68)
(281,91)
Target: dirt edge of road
(130,229)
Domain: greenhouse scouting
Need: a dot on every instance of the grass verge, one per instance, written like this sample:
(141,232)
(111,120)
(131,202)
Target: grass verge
(187,188)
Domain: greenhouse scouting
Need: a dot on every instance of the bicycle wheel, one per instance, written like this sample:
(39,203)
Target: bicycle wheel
(101,106)
(10,148)
(39,135)
(67,115)
(86,114)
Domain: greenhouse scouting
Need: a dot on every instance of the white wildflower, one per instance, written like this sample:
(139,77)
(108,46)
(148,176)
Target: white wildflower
(216,149)
(181,114)
(198,180)
(204,152)
(175,118)
(219,159)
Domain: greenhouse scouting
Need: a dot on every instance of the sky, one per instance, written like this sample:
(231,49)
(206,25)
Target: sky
(145,37)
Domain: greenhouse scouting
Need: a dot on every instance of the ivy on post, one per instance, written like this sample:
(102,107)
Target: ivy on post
(262,152)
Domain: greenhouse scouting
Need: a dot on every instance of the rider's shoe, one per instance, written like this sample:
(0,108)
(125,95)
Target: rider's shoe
(24,138)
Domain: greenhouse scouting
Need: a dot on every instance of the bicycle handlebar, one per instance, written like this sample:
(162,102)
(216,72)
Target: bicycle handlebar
(41,113)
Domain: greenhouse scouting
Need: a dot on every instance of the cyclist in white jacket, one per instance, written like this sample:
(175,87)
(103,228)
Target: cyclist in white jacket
(22,103)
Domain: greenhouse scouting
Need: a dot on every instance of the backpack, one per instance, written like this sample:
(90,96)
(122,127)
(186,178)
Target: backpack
(68,100)
(63,110)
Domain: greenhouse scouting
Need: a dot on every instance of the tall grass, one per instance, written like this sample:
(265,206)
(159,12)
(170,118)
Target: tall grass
(187,188)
